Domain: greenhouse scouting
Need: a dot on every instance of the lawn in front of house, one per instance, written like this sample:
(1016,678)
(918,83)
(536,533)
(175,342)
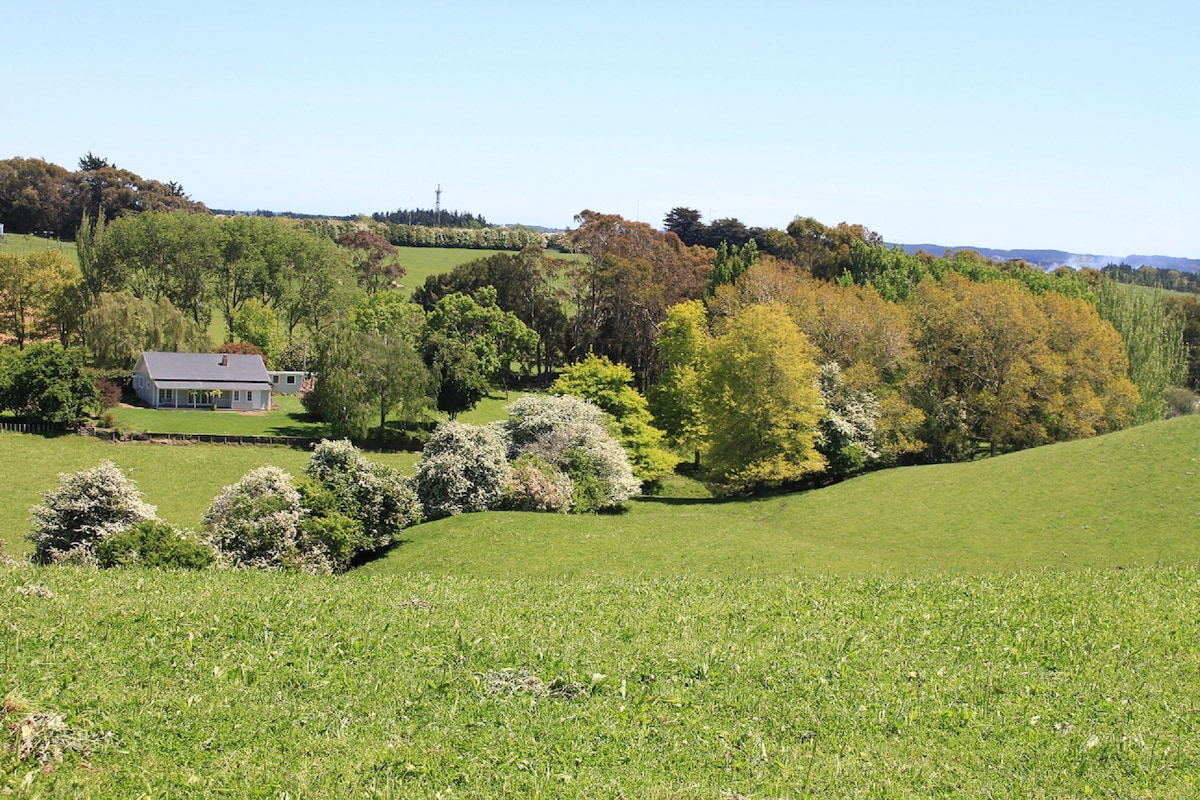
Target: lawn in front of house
(289,419)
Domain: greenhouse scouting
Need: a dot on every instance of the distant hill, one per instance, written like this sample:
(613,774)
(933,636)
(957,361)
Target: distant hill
(1049,259)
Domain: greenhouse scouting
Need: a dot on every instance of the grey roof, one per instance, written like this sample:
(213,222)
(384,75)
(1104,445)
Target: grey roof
(205,367)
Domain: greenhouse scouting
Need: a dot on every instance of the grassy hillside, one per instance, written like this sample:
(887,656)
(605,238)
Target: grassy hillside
(23,244)
(1047,685)
(921,632)
(1126,499)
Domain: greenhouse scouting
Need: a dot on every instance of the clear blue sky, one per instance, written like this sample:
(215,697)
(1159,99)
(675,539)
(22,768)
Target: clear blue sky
(1070,125)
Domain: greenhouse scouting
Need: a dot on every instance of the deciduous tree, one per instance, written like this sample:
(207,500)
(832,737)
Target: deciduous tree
(760,400)
(608,386)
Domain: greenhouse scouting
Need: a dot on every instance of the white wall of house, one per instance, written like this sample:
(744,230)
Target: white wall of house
(287,381)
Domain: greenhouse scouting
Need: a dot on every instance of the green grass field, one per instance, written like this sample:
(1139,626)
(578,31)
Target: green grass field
(23,244)
(1127,499)
(1039,685)
(421,262)
(290,419)
(1024,626)
(181,479)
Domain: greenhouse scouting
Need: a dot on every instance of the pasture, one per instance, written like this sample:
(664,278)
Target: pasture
(1037,685)
(24,243)
(421,262)
(1128,499)
(1023,626)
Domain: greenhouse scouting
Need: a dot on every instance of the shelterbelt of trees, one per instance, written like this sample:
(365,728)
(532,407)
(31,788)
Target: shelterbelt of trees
(799,354)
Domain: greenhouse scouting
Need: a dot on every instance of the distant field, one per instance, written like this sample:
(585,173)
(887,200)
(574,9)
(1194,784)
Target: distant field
(23,244)
(421,262)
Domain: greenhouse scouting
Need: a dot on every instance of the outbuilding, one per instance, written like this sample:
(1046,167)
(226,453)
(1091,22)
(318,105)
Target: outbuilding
(233,382)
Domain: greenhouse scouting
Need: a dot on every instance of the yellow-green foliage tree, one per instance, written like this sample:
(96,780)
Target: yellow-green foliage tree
(610,387)
(683,340)
(760,400)
(36,292)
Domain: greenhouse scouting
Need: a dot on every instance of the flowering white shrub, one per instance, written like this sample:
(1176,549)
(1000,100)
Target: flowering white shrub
(572,435)
(534,485)
(381,498)
(256,523)
(88,507)
(846,435)
(462,469)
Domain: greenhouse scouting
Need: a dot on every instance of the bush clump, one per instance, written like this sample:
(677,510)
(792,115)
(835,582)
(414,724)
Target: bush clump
(463,469)
(256,522)
(380,498)
(572,436)
(87,508)
(153,544)
(534,485)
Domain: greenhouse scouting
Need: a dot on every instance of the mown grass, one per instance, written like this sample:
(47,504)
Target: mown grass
(290,419)
(1043,685)
(1126,499)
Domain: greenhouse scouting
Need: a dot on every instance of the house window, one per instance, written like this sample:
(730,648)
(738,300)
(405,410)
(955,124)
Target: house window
(274,379)
(165,395)
(237,396)
(291,379)
(250,397)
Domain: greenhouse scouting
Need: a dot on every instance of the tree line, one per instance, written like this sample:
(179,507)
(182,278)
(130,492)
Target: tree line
(431,218)
(39,197)
(828,350)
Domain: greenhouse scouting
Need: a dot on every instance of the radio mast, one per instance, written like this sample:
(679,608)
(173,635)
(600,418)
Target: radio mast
(437,206)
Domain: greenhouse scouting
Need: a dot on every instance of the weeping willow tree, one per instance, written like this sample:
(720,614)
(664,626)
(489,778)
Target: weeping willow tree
(1153,339)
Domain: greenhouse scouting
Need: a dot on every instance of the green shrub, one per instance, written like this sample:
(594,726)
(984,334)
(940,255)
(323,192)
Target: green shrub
(381,498)
(153,544)
(325,522)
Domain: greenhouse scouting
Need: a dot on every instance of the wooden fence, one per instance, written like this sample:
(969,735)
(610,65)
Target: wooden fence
(208,438)
(41,428)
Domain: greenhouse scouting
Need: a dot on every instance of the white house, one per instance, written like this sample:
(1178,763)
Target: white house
(285,381)
(202,380)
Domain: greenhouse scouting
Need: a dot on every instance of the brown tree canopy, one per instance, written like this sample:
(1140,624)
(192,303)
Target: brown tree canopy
(621,292)
(376,260)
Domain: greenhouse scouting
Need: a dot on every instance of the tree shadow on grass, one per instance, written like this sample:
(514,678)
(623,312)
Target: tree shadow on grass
(370,556)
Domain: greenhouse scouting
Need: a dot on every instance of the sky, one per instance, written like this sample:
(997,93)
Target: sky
(1049,124)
